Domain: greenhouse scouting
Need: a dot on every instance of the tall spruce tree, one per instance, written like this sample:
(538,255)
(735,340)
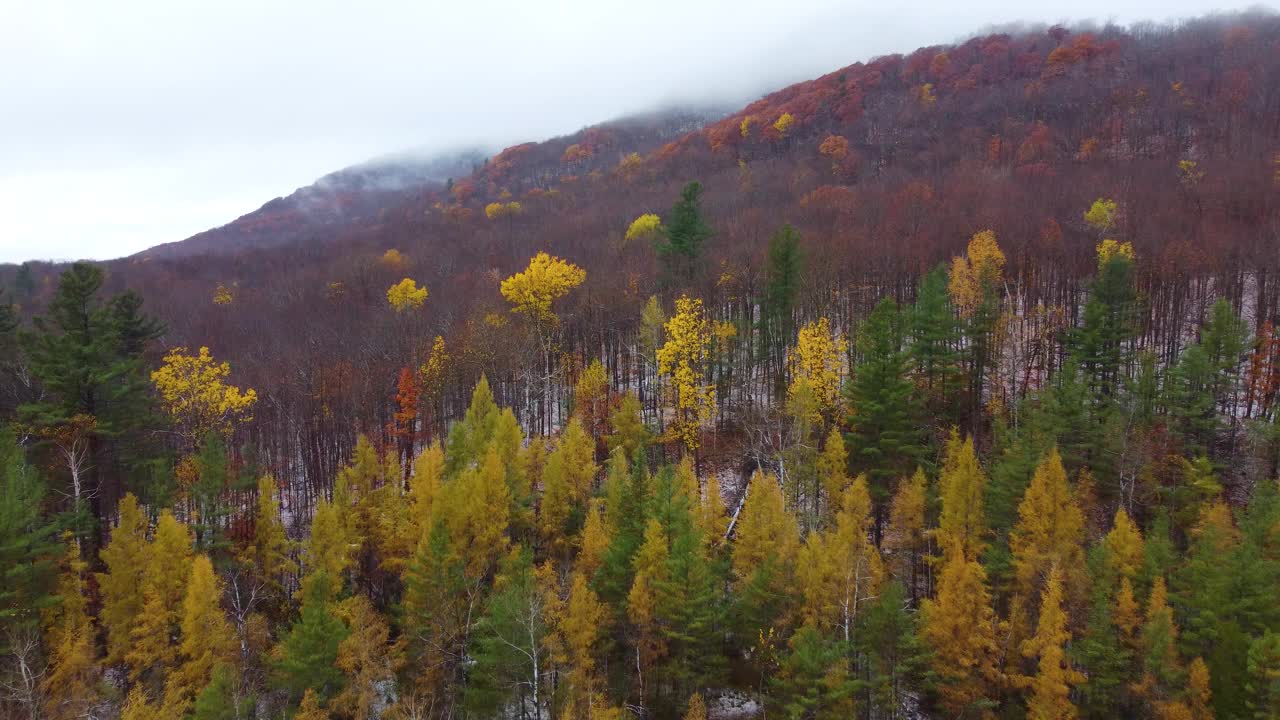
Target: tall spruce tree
(886,441)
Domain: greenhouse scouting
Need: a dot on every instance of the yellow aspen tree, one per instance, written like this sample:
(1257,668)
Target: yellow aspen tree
(766,532)
(975,273)
(833,466)
(69,686)
(546,279)
(364,656)
(962,485)
(194,393)
(595,542)
(310,708)
(819,359)
(650,565)
(1125,548)
(406,295)
(1051,686)
(645,227)
(207,636)
(905,539)
(684,358)
(959,626)
(121,586)
(1049,531)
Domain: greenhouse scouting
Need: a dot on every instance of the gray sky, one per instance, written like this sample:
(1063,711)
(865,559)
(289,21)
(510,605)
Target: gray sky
(131,123)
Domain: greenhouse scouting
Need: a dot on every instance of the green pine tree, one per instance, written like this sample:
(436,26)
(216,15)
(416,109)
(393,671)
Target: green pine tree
(684,230)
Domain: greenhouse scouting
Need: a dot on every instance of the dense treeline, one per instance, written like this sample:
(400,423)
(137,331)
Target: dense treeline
(989,428)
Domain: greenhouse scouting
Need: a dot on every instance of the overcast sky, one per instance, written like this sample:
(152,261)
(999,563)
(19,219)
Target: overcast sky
(131,123)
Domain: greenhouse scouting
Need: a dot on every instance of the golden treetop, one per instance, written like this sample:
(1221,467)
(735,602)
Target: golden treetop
(784,123)
(818,358)
(194,393)
(977,273)
(646,226)
(547,278)
(406,295)
(1101,216)
(1109,250)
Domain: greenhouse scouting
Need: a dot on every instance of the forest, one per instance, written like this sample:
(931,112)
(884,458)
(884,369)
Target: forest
(942,386)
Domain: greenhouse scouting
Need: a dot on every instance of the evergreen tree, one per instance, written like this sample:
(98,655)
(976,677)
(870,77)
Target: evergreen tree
(885,441)
(221,699)
(934,353)
(782,287)
(28,547)
(814,680)
(307,656)
(87,356)
(1263,685)
(508,645)
(683,232)
(888,637)
(1101,345)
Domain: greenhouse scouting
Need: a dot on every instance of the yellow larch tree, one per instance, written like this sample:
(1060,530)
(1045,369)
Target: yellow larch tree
(833,466)
(207,636)
(961,489)
(577,635)
(1124,546)
(839,571)
(766,533)
(364,656)
(70,684)
(684,359)
(406,295)
(310,708)
(1199,693)
(328,548)
(1050,687)
(960,627)
(194,393)
(164,585)
(696,709)
(125,559)
(712,516)
(819,359)
(650,565)
(267,554)
(906,538)
(478,513)
(595,542)
(1049,532)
